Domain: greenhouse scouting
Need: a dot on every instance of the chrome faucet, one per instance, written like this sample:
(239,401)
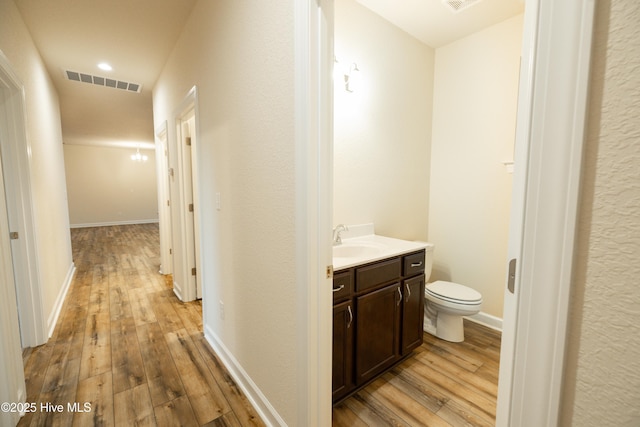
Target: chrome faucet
(336,233)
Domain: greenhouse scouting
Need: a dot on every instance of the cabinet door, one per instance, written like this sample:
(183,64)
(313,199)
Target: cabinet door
(342,349)
(412,313)
(377,331)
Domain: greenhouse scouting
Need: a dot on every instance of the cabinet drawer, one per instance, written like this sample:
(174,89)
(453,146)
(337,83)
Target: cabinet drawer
(413,264)
(342,285)
(377,274)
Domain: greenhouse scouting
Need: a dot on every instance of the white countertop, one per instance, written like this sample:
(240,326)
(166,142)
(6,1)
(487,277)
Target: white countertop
(370,248)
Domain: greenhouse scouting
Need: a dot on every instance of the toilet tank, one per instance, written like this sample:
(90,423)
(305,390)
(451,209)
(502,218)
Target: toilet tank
(428,261)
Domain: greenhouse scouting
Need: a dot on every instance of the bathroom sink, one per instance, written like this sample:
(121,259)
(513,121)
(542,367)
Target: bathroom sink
(356,250)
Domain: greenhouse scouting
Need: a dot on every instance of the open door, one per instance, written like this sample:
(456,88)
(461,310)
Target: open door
(188,142)
(14,389)
(548,156)
(18,202)
(187,271)
(164,199)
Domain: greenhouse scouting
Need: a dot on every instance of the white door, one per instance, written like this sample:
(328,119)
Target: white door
(189,141)
(549,141)
(164,200)
(17,194)
(188,275)
(12,387)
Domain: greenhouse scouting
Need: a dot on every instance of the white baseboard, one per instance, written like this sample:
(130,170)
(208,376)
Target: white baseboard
(487,320)
(111,223)
(251,391)
(177,290)
(57,307)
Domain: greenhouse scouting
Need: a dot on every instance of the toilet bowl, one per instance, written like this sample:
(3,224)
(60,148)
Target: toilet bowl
(445,305)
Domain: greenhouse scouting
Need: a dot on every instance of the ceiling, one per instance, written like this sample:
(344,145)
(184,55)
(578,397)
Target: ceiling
(436,24)
(136,38)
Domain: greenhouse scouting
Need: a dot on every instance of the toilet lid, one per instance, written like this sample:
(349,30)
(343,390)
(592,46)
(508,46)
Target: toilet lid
(453,292)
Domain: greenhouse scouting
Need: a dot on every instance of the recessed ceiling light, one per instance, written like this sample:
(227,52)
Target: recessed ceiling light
(104,66)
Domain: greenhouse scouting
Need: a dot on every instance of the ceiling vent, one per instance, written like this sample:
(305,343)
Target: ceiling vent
(459,5)
(102,81)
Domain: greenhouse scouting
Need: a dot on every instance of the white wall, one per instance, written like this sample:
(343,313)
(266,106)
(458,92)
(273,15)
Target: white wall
(44,135)
(602,376)
(240,56)
(475,96)
(382,131)
(106,187)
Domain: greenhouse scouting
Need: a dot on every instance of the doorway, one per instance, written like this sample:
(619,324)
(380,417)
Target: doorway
(185,202)
(10,360)
(550,130)
(17,183)
(164,199)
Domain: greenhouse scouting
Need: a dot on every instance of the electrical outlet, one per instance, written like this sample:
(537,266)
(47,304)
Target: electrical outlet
(221,310)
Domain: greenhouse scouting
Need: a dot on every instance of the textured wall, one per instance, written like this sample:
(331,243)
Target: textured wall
(602,378)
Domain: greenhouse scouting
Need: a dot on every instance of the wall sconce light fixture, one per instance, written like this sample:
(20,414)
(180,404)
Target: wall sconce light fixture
(139,157)
(351,78)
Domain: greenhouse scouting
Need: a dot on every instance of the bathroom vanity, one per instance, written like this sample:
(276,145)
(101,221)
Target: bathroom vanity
(378,297)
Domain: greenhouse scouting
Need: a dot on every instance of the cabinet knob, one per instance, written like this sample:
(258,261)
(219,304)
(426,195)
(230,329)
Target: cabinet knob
(339,288)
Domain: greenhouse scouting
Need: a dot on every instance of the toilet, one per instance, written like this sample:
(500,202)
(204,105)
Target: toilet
(445,305)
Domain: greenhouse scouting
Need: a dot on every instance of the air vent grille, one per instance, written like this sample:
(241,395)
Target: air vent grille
(459,5)
(102,81)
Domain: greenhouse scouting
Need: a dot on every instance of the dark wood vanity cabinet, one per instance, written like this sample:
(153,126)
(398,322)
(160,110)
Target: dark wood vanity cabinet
(378,322)
(413,314)
(343,336)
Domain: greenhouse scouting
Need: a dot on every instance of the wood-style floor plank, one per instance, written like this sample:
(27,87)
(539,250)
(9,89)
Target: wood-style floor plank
(133,407)
(96,391)
(125,345)
(441,384)
(128,369)
(176,413)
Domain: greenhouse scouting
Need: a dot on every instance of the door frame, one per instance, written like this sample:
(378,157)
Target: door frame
(12,387)
(314,206)
(186,289)
(16,148)
(164,198)
(549,144)
(552,107)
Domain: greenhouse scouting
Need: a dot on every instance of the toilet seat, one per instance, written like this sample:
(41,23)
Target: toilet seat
(454,293)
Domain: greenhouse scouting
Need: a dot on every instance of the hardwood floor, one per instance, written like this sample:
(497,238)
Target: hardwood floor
(126,346)
(442,384)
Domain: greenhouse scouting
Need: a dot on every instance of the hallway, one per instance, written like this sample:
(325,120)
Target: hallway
(126,346)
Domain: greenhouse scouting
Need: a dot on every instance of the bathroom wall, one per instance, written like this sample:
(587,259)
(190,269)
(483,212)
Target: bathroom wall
(419,147)
(106,187)
(240,55)
(382,131)
(44,136)
(602,375)
(474,116)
